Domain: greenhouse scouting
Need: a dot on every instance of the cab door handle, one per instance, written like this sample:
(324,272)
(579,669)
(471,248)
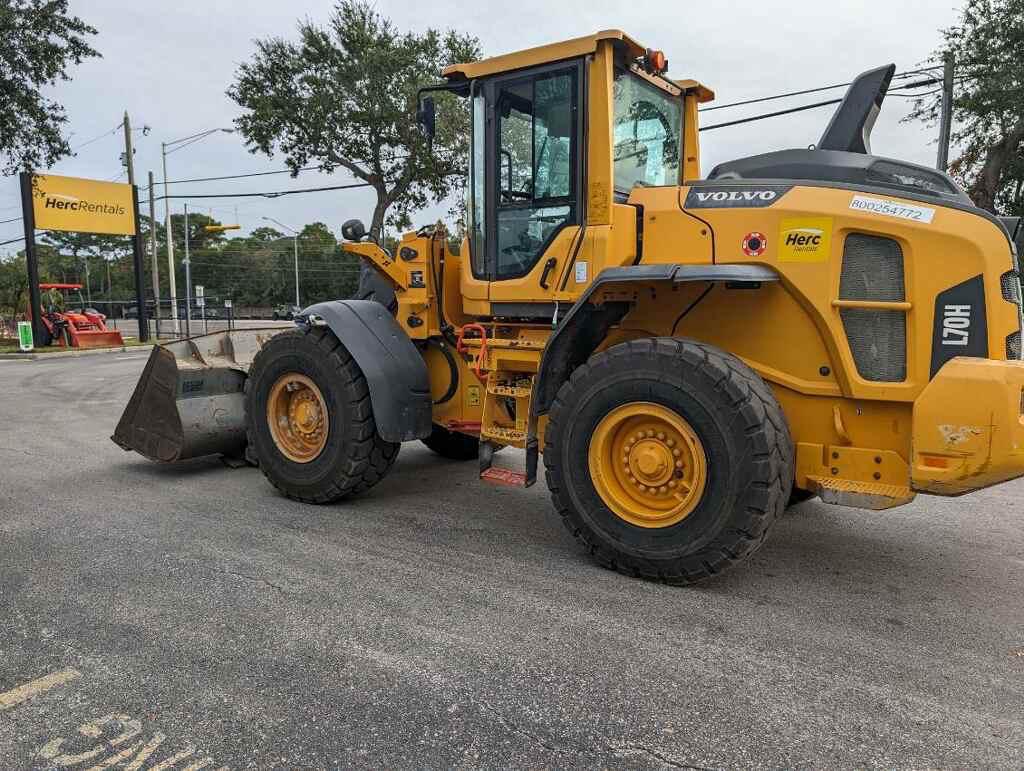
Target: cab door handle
(548,267)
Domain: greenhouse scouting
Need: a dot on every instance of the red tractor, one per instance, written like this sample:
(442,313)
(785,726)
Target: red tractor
(74,328)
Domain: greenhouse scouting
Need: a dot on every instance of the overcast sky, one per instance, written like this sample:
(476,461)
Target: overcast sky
(169,64)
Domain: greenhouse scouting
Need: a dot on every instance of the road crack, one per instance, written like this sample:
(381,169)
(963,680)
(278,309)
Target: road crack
(632,748)
(224,571)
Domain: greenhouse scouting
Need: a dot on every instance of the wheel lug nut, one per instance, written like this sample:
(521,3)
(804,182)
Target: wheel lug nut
(650,432)
(661,436)
(671,442)
(662,490)
(672,483)
(676,452)
(679,464)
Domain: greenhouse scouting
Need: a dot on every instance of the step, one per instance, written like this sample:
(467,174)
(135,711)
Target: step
(862,495)
(504,435)
(503,476)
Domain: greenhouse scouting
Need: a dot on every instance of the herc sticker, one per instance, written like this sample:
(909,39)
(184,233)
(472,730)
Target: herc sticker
(805,239)
(754,244)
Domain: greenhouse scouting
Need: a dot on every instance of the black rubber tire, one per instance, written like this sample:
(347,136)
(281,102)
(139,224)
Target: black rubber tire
(452,444)
(355,458)
(45,338)
(799,496)
(746,440)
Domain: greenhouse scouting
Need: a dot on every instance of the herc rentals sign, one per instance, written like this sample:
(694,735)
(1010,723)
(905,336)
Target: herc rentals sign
(82,205)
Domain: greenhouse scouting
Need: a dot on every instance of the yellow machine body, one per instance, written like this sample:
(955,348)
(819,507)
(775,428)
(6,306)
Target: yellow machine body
(859,440)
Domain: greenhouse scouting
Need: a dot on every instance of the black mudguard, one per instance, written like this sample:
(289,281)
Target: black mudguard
(395,371)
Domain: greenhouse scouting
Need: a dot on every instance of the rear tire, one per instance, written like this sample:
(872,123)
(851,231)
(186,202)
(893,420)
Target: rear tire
(742,466)
(353,458)
(452,445)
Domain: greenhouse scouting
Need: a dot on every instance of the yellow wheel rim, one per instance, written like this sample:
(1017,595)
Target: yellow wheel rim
(647,464)
(298,419)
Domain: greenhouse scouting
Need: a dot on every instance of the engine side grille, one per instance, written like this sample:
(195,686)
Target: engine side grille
(873,271)
(1010,284)
(1013,346)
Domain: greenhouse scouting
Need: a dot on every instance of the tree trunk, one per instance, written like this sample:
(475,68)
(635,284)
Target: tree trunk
(986,186)
(377,223)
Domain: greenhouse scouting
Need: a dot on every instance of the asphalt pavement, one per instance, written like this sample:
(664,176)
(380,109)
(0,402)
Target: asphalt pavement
(189,617)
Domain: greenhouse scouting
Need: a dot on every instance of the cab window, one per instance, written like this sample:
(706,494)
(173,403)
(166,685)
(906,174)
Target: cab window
(535,156)
(647,129)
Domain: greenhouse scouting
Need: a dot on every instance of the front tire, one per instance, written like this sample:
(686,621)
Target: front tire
(309,419)
(668,459)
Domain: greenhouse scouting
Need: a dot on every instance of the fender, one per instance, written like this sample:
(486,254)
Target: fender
(585,325)
(394,369)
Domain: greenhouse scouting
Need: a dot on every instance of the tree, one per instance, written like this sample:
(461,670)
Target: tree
(40,42)
(83,248)
(988,102)
(345,97)
(265,234)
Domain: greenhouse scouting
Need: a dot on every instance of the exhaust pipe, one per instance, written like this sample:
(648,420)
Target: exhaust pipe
(190,400)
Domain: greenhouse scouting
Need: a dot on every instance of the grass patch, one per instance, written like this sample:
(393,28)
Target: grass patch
(11,346)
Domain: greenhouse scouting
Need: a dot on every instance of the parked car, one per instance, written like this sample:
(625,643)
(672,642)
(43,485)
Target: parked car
(288,312)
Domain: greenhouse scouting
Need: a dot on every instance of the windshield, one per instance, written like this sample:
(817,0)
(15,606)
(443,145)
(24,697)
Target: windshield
(648,124)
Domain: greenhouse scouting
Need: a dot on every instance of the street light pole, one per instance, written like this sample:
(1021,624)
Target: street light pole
(183,142)
(170,247)
(154,267)
(295,244)
(188,282)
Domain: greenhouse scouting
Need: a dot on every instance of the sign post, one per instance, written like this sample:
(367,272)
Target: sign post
(201,305)
(140,291)
(28,215)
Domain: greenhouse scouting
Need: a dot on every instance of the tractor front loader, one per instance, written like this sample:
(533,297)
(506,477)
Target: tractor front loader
(688,355)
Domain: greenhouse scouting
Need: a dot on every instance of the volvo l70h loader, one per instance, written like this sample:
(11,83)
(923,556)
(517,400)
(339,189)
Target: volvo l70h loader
(688,355)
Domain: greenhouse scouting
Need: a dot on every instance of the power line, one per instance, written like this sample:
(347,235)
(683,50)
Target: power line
(753,118)
(802,92)
(15,219)
(96,139)
(801,108)
(236,176)
(12,241)
(274,194)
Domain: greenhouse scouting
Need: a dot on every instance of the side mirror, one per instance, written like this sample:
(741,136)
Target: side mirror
(425,117)
(353,230)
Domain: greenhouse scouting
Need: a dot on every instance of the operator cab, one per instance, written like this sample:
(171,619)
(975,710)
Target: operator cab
(543,123)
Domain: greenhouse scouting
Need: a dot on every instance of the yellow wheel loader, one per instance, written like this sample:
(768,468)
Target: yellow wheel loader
(688,355)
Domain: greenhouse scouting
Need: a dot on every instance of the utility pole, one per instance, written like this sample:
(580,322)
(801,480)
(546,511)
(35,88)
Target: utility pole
(188,282)
(129,161)
(152,253)
(946,116)
(295,243)
(170,246)
(140,293)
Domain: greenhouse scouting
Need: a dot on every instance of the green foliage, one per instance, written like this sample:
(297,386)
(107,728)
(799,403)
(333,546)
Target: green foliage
(988,103)
(40,42)
(344,96)
(255,270)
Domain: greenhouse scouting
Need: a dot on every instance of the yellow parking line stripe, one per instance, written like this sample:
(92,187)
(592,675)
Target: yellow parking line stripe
(25,692)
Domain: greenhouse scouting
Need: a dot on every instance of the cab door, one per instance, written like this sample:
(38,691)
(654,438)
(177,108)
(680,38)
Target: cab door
(534,175)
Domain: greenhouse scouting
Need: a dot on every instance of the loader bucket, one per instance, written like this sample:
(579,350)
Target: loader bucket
(91,339)
(190,399)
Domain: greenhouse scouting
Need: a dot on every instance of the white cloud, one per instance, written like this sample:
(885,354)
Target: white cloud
(169,65)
